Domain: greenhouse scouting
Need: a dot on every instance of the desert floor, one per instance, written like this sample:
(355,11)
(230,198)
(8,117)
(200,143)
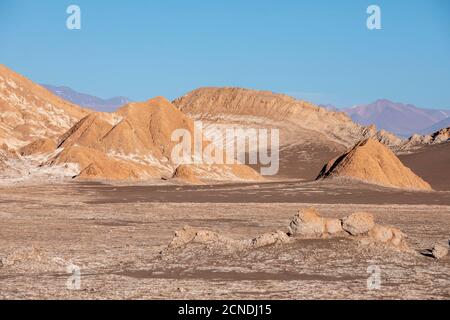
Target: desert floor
(118,235)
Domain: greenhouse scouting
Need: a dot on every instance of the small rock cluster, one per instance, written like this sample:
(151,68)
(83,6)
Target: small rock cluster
(308,223)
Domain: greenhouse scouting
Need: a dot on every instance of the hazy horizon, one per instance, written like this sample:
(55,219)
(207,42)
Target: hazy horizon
(315,102)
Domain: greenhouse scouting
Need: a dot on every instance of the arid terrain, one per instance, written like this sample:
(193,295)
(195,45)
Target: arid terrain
(118,236)
(93,205)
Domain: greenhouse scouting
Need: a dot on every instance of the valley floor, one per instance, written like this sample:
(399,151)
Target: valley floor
(117,236)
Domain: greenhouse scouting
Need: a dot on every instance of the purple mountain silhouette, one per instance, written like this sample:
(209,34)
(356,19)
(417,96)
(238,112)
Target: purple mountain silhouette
(86,100)
(401,119)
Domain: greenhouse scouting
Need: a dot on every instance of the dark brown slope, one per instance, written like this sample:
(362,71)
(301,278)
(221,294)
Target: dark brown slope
(304,161)
(432,163)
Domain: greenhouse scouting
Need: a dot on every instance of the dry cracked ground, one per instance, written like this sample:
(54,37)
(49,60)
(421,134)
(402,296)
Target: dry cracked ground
(118,237)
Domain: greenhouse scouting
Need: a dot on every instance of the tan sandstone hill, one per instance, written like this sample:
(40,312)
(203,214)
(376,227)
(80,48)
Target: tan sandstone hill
(147,127)
(373,162)
(235,103)
(309,135)
(29,111)
(135,144)
(55,137)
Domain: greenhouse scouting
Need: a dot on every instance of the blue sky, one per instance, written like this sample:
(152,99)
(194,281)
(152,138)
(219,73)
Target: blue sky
(316,50)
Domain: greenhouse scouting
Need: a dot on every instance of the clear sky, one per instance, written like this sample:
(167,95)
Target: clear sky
(317,50)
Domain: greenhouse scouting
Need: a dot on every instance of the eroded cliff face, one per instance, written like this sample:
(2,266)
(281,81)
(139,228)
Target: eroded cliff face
(29,111)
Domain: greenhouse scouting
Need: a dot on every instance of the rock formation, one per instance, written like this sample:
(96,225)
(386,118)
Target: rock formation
(358,223)
(306,224)
(310,224)
(417,141)
(28,110)
(135,143)
(373,162)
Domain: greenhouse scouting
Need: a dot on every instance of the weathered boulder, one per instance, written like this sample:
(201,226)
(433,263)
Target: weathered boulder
(358,223)
(399,239)
(388,235)
(381,233)
(333,226)
(309,224)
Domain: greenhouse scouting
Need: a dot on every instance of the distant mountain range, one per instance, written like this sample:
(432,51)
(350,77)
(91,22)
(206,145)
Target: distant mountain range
(401,119)
(87,100)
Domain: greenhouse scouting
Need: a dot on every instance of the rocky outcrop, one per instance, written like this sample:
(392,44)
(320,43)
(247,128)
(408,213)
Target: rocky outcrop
(417,141)
(308,223)
(388,235)
(358,223)
(28,110)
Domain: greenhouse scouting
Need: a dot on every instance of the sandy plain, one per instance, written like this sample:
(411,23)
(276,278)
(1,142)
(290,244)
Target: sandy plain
(117,235)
